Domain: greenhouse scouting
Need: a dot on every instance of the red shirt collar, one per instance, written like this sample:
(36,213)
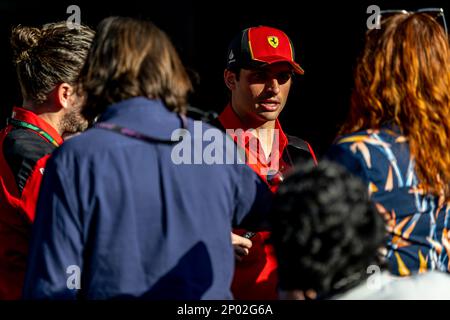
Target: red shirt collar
(30,117)
(229,120)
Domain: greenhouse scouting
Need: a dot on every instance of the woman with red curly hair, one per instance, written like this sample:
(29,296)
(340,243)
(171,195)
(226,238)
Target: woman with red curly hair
(397,137)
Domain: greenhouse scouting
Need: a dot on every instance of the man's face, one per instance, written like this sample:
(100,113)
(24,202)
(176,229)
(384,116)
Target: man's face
(260,94)
(72,121)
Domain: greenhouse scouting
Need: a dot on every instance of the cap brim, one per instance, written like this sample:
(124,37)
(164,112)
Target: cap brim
(297,68)
(272,60)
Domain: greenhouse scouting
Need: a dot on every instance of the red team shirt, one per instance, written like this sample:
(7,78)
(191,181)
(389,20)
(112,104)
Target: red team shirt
(255,276)
(25,144)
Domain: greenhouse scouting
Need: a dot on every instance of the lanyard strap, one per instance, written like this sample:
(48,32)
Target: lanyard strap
(138,135)
(26,125)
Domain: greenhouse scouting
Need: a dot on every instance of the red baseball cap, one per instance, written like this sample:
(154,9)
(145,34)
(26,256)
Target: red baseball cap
(258,46)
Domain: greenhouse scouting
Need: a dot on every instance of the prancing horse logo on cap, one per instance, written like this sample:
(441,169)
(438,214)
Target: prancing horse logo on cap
(273,41)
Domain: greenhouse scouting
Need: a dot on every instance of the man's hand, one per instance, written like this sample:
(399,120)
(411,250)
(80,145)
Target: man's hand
(241,246)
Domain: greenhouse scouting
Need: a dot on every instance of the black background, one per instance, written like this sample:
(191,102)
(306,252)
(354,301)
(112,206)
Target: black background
(327,37)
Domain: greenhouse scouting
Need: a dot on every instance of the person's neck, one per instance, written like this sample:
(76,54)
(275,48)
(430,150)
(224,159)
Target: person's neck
(265,134)
(45,113)
(263,130)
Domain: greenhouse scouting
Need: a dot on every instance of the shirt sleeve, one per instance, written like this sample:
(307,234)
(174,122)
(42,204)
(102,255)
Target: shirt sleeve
(55,257)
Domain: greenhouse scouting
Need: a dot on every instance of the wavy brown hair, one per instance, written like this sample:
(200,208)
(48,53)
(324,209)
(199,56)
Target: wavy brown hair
(403,78)
(131,58)
(47,56)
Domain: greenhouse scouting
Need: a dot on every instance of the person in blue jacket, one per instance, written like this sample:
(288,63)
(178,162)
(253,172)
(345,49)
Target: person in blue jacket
(125,211)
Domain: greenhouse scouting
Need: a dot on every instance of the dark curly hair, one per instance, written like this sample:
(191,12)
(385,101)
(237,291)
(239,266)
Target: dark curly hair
(325,230)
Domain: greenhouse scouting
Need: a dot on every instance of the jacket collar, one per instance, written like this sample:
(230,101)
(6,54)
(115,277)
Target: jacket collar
(148,116)
(22,114)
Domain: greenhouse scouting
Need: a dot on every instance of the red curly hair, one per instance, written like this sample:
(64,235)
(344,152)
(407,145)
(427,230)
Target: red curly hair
(403,77)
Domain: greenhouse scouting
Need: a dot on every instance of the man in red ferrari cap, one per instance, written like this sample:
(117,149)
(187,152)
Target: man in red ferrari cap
(259,73)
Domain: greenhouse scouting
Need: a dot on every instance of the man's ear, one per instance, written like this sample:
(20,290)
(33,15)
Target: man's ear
(64,92)
(230,79)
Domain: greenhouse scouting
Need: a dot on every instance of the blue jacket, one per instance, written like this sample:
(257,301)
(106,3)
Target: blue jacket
(135,224)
